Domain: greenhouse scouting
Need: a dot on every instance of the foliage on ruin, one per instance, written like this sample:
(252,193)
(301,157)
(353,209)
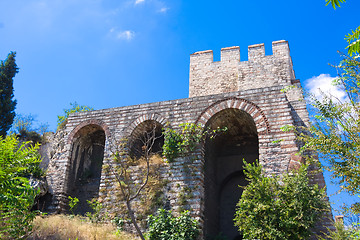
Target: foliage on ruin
(122,167)
(185,194)
(17,162)
(8,70)
(279,207)
(186,139)
(165,226)
(75,107)
(353,38)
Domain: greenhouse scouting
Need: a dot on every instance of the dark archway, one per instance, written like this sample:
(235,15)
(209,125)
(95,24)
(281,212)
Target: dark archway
(224,170)
(147,130)
(86,161)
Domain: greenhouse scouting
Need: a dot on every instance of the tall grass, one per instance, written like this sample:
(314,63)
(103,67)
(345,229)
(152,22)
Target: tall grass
(61,227)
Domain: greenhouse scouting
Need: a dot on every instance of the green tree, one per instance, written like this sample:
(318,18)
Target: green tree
(16,195)
(62,119)
(335,132)
(8,70)
(278,207)
(353,37)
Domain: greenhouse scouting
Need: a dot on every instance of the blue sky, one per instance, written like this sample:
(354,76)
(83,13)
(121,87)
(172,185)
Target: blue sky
(111,53)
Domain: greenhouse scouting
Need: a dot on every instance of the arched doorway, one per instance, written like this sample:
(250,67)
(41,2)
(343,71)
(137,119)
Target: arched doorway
(86,161)
(224,170)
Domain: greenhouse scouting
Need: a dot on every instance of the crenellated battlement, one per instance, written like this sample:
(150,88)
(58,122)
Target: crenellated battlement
(256,51)
(231,74)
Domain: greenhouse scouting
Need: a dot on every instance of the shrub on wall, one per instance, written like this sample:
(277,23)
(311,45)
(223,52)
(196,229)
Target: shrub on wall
(62,119)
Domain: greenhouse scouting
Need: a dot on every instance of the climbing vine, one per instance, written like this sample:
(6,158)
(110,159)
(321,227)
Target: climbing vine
(186,139)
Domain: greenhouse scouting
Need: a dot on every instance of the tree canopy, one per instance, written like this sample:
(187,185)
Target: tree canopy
(279,207)
(335,133)
(8,70)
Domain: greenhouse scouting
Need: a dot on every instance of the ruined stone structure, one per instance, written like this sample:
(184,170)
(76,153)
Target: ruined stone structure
(245,96)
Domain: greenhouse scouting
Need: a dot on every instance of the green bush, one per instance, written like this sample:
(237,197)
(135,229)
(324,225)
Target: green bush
(164,226)
(282,207)
(16,195)
(62,119)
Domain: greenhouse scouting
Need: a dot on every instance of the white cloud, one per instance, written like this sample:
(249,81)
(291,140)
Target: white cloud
(139,1)
(323,84)
(126,34)
(163,9)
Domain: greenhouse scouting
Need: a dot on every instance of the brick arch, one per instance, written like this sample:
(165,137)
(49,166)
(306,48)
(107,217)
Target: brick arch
(86,123)
(151,116)
(262,123)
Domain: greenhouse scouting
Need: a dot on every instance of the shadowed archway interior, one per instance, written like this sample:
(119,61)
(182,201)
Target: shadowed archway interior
(85,166)
(149,130)
(224,170)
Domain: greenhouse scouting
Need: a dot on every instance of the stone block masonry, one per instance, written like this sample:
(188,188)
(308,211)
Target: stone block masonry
(230,74)
(245,96)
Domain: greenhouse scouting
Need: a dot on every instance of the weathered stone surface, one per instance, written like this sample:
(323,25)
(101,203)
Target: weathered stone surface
(247,96)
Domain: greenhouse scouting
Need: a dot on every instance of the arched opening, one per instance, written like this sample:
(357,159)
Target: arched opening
(146,136)
(86,161)
(224,170)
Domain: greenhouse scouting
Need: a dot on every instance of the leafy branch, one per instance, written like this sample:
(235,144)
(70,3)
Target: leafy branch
(186,139)
(353,37)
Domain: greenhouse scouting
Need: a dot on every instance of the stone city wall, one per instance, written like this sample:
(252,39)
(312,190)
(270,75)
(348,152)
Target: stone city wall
(252,90)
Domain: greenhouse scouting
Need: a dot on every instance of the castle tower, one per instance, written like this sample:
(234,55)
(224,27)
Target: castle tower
(230,74)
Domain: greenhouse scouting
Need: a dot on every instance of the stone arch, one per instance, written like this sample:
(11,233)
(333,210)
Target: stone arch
(262,123)
(87,147)
(145,130)
(146,117)
(223,164)
(86,123)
